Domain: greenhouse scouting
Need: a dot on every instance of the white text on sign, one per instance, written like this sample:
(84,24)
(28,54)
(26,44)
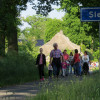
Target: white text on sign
(94,14)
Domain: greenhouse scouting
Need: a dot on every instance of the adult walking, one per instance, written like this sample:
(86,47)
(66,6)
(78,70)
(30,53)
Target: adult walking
(41,62)
(71,61)
(85,60)
(76,63)
(55,59)
(66,58)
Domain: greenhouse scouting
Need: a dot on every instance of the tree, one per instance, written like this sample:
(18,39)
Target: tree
(37,26)
(52,27)
(8,23)
(75,30)
(9,13)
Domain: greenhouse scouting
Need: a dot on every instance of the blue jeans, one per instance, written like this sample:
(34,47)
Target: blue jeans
(56,69)
(77,68)
(80,68)
(56,64)
(70,67)
(67,70)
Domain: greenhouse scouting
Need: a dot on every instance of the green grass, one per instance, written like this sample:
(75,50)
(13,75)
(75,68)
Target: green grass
(17,70)
(87,89)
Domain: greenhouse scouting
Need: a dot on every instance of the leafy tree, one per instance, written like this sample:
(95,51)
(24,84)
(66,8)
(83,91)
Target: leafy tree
(9,13)
(68,6)
(52,27)
(37,23)
(75,30)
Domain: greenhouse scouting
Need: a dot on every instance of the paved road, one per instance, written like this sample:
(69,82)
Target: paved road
(19,92)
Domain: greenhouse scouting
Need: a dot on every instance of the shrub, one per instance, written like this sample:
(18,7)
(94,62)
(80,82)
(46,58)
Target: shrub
(17,69)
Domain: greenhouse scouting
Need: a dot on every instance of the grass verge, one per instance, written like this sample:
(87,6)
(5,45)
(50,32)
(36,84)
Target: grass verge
(86,89)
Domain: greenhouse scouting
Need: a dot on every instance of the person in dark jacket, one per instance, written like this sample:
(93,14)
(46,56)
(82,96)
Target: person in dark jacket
(41,62)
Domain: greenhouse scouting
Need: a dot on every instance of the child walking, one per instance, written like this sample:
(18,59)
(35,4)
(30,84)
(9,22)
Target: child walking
(50,69)
(41,62)
(64,67)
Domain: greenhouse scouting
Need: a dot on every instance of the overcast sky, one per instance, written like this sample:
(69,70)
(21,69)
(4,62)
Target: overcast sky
(30,12)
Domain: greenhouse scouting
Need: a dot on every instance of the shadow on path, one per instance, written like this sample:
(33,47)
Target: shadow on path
(19,92)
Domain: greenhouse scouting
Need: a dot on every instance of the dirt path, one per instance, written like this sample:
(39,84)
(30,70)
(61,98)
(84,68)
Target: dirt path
(29,90)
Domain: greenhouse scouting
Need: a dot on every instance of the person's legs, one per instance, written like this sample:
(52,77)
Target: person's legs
(80,69)
(58,65)
(74,66)
(67,71)
(40,74)
(58,70)
(63,71)
(54,69)
(50,73)
(42,71)
(70,69)
(77,69)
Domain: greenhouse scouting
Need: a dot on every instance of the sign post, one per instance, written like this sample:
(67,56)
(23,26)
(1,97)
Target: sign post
(99,45)
(91,14)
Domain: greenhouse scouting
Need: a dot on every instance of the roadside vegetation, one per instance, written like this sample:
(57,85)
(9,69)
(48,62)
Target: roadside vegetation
(86,89)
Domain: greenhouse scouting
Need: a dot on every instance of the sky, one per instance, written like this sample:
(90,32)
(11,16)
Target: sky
(29,12)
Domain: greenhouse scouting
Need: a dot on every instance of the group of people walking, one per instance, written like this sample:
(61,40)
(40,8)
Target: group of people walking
(63,64)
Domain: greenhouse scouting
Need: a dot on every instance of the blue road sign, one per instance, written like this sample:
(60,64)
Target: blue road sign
(90,14)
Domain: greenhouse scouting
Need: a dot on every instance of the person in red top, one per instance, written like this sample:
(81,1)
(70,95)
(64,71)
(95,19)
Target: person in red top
(66,58)
(65,55)
(76,63)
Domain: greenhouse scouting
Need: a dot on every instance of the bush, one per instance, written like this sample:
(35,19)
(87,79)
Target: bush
(17,69)
(87,89)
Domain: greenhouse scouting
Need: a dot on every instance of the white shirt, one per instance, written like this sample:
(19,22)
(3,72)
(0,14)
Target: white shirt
(50,67)
(85,59)
(71,58)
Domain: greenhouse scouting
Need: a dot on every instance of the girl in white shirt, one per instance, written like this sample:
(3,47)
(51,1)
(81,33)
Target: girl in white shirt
(85,60)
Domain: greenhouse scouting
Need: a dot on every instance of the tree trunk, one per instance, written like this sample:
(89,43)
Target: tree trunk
(12,41)
(2,44)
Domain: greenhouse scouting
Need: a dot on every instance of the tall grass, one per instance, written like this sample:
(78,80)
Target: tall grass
(17,69)
(87,89)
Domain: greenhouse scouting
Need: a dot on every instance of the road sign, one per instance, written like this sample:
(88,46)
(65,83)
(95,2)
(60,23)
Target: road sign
(90,14)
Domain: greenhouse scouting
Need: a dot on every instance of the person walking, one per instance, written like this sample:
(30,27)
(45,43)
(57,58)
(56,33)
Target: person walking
(64,66)
(71,61)
(66,58)
(55,60)
(85,60)
(76,63)
(50,69)
(41,62)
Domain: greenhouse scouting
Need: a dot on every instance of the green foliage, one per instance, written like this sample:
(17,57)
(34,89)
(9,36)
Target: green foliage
(37,23)
(52,27)
(96,54)
(75,30)
(17,69)
(42,27)
(83,47)
(86,89)
(29,48)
